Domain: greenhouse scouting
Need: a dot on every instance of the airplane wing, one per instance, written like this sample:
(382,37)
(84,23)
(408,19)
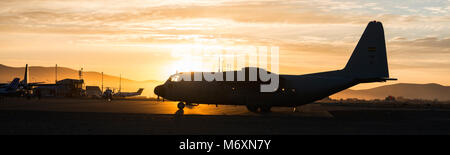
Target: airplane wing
(41,84)
(36,82)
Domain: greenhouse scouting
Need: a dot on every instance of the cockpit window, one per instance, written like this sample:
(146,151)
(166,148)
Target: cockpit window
(175,78)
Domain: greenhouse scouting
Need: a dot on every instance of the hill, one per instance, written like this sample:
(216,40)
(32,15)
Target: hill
(429,91)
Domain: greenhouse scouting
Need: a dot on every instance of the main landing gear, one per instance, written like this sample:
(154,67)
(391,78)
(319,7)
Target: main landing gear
(189,105)
(262,108)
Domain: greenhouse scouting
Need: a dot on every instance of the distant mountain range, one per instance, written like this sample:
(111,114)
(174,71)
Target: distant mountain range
(47,74)
(429,91)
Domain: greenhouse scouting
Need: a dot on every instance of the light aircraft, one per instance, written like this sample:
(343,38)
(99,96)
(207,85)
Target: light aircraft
(368,63)
(128,94)
(11,89)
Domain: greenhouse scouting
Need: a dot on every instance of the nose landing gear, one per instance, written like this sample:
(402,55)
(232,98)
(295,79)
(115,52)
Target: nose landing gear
(181,105)
(252,108)
(265,108)
(180,111)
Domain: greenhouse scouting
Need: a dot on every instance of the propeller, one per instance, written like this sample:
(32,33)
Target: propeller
(159,90)
(158,98)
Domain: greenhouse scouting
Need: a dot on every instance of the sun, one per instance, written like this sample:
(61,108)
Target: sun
(191,58)
(187,64)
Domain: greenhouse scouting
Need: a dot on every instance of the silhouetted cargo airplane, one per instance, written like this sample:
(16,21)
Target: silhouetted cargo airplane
(368,63)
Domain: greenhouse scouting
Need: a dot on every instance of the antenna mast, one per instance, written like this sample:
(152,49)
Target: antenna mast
(219,64)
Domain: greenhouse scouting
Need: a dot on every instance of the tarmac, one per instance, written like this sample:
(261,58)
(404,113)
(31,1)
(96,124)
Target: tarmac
(89,116)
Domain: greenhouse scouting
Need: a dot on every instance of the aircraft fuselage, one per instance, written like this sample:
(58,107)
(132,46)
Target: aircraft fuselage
(293,90)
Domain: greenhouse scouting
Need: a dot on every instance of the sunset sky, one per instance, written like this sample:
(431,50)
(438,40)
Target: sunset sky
(135,38)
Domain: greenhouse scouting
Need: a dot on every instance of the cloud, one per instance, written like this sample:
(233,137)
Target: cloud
(306,31)
(431,42)
(124,19)
(437,10)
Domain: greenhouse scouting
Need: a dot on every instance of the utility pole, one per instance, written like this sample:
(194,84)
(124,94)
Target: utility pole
(120,82)
(56,73)
(102,82)
(56,79)
(80,74)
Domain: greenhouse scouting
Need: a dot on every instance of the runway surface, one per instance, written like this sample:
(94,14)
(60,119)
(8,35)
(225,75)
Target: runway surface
(82,116)
(141,107)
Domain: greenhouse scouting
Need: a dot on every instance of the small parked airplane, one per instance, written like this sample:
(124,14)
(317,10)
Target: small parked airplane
(11,89)
(128,94)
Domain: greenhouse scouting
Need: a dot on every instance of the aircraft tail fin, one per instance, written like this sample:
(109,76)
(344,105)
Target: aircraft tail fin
(368,60)
(25,77)
(139,92)
(14,84)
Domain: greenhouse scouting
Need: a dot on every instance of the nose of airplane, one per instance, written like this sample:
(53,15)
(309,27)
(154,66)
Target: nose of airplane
(159,90)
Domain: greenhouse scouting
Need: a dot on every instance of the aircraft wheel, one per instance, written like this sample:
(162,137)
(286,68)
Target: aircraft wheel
(252,108)
(180,105)
(265,109)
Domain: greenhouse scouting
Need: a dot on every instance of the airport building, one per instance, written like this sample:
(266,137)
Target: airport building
(65,88)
